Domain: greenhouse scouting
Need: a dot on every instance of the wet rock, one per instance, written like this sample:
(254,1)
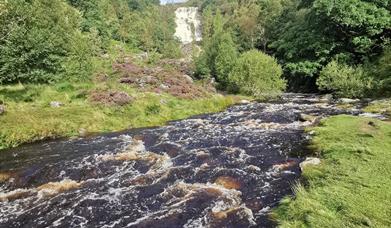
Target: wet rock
(228,182)
(56,104)
(310,161)
(348,101)
(2,109)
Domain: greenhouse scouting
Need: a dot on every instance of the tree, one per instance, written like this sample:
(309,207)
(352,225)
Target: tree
(257,74)
(225,60)
(35,39)
(320,30)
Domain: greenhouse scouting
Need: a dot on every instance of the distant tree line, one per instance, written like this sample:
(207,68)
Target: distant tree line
(45,41)
(339,46)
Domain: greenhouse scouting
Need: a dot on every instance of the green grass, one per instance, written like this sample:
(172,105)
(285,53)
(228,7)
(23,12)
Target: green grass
(352,186)
(29,116)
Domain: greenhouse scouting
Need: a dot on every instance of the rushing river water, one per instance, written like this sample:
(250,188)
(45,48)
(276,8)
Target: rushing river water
(218,170)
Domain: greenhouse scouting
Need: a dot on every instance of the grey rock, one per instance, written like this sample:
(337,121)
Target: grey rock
(56,104)
(2,109)
(163,87)
(309,161)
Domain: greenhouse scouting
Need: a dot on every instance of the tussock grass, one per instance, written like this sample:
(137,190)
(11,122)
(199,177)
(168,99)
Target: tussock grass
(29,116)
(352,186)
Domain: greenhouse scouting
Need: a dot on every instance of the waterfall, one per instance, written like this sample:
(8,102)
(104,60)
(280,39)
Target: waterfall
(188,25)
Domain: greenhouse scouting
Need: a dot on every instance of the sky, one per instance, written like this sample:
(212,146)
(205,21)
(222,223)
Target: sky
(171,1)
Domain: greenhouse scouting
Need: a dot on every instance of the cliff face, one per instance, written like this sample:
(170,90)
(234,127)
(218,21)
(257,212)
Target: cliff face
(188,25)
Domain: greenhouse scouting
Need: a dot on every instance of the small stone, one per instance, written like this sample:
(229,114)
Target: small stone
(164,87)
(2,109)
(348,101)
(309,161)
(244,102)
(56,104)
(82,132)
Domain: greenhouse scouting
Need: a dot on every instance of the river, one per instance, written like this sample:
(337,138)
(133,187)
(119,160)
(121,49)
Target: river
(226,169)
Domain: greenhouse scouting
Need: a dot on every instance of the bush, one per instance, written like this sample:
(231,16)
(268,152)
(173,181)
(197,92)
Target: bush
(344,80)
(225,59)
(257,74)
(35,38)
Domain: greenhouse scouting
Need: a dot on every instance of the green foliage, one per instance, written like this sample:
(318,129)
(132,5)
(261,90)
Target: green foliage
(36,37)
(381,72)
(257,74)
(344,80)
(219,55)
(315,32)
(349,188)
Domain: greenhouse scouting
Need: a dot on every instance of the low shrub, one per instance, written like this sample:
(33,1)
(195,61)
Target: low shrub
(257,74)
(344,80)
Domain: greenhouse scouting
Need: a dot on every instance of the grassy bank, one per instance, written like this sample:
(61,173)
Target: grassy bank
(352,186)
(29,116)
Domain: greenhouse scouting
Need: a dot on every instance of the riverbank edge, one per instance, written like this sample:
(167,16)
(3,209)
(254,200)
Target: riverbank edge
(347,188)
(24,124)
